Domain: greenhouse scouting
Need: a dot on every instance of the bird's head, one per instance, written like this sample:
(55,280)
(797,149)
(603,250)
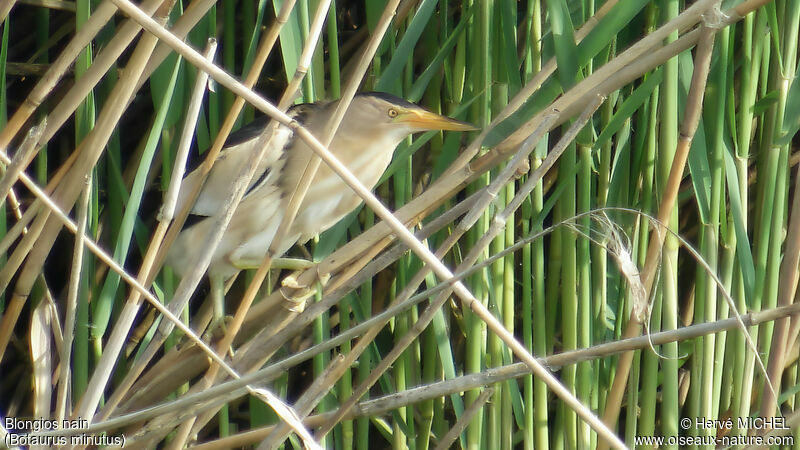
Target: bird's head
(386,113)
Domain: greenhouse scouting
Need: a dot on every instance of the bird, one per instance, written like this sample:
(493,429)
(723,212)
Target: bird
(371,129)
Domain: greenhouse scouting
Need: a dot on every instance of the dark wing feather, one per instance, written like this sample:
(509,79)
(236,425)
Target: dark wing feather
(250,131)
(192,220)
(247,133)
(297,112)
(254,129)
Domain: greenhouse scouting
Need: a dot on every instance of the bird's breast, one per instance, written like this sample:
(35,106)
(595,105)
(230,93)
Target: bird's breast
(329,198)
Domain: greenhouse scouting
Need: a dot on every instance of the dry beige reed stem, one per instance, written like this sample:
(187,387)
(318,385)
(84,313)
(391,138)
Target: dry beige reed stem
(70,310)
(493,324)
(5,8)
(396,225)
(22,158)
(479,203)
(786,293)
(304,183)
(58,68)
(688,128)
(45,229)
(161,242)
(393,401)
(105,258)
(66,107)
(41,354)
(165,376)
(452,434)
(287,98)
(148,266)
(167,211)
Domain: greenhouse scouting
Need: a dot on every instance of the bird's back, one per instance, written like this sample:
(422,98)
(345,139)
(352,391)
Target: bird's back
(216,191)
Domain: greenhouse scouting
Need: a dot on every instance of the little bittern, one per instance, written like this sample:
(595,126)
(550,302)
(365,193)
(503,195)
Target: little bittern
(371,129)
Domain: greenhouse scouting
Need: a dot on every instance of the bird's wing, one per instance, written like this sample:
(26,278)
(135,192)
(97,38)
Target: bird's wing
(239,148)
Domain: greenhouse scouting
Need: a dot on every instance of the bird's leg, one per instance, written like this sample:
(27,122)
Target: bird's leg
(277,263)
(290,281)
(217,283)
(305,290)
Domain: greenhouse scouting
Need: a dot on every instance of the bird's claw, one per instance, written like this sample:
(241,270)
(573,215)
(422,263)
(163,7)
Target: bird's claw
(297,299)
(217,328)
(301,291)
(290,281)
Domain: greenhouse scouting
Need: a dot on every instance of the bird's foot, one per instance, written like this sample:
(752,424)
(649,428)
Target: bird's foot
(301,291)
(292,282)
(217,328)
(293,290)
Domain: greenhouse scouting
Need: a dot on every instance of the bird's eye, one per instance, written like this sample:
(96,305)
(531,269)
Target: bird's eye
(392,113)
